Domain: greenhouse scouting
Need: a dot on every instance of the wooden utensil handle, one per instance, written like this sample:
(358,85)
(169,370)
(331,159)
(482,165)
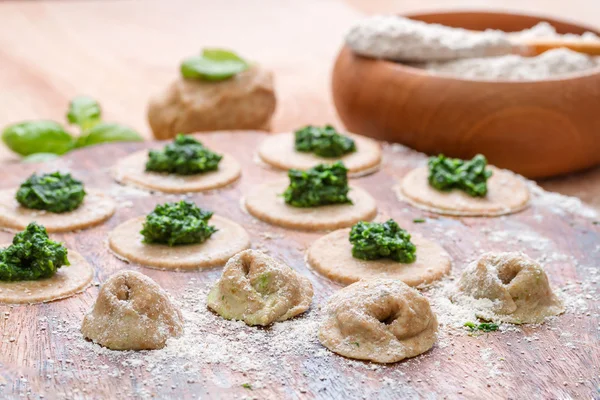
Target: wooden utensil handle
(536,47)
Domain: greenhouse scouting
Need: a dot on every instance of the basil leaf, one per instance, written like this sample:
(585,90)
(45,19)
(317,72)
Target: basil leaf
(39,157)
(213,65)
(31,137)
(105,132)
(84,112)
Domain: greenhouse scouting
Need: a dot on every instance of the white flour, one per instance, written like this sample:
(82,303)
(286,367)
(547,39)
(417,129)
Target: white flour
(401,39)
(468,54)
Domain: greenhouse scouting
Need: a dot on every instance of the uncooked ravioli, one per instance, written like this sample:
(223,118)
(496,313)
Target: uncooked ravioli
(508,287)
(95,208)
(132,313)
(126,242)
(380,320)
(259,290)
(132,170)
(278,151)
(266,203)
(331,255)
(507,193)
(68,280)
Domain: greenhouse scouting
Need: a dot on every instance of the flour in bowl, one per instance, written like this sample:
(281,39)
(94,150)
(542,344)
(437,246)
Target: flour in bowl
(512,67)
(468,54)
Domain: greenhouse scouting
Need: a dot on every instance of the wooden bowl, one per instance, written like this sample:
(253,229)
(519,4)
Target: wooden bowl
(537,129)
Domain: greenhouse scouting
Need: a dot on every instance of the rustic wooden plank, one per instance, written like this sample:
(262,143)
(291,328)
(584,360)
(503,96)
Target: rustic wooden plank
(43,354)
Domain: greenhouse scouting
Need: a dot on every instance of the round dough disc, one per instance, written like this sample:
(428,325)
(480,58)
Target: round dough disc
(267,204)
(132,170)
(278,151)
(331,255)
(126,241)
(67,281)
(96,208)
(507,194)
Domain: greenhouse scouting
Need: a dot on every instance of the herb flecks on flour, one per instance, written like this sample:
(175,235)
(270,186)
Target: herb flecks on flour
(374,240)
(470,176)
(177,224)
(185,156)
(31,256)
(55,192)
(324,142)
(484,326)
(318,186)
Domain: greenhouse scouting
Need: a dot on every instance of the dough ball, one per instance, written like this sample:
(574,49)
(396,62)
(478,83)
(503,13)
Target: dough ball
(132,313)
(259,290)
(246,101)
(507,287)
(380,320)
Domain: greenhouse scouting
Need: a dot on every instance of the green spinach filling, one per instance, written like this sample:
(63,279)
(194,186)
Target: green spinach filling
(185,156)
(374,240)
(324,142)
(177,224)
(470,176)
(318,186)
(484,326)
(55,192)
(31,256)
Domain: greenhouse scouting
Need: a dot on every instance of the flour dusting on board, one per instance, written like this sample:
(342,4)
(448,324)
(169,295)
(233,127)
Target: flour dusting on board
(219,356)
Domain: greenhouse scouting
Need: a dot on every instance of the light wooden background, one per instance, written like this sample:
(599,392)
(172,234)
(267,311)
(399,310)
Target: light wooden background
(123,51)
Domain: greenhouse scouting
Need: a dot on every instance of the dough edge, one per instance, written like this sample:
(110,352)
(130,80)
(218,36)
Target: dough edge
(255,205)
(401,194)
(10,221)
(168,261)
(79,268)
(360,163)
(315,260)
(229,171)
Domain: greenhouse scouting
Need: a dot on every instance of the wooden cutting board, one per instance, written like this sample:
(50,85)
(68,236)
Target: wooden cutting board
(42,352)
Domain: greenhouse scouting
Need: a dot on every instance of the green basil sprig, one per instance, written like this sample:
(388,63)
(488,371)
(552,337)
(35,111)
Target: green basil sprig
(213,65)
(38,140)
(31,137)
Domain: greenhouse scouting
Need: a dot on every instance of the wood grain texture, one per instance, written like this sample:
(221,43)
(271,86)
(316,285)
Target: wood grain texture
(41,352)
(538,129)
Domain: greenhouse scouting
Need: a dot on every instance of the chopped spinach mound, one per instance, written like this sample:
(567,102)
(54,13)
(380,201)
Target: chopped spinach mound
(324,142)
(55,192)
(484,326)
(185,156)
(452,173)
(31,256)
(318,186)
(177,223)
(374,240)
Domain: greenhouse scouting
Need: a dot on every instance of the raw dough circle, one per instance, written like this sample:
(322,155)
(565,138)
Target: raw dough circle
(95,209)
(278,151)
(380,320)
(331,255)
(508,287)
(266,203)
(259,290)
(126,241)
(132,312)
(67,281)
(507,194)
(132,170)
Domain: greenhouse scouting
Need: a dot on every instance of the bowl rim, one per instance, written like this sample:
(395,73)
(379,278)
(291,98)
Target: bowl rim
(391,65)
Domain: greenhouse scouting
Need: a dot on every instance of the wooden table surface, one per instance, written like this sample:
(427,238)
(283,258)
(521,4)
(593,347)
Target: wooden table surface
(42,351)
(121,52)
